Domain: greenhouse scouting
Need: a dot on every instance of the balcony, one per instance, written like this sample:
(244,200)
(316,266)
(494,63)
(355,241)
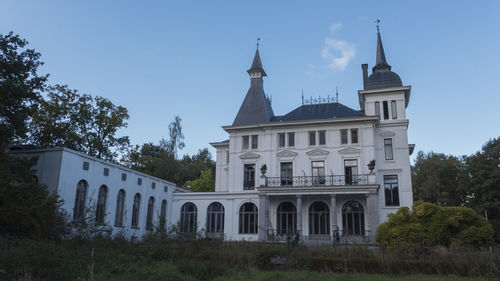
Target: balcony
(315,181)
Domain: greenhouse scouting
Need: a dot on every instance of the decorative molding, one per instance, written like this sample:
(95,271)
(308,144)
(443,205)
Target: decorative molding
(387,134)
(390,170)
(249,155)
(286,153)
(317,151)
(349,150)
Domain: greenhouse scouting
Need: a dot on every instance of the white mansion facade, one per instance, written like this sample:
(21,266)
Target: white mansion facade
(323,171)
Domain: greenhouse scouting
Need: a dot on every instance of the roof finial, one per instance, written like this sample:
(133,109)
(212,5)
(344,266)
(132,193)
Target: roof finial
(258,40)
(337,94)
(378,25)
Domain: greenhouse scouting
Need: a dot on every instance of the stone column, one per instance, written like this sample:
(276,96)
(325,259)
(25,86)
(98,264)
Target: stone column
(268,224)
(299,216)
(333,215)
(262,218)
(372,213)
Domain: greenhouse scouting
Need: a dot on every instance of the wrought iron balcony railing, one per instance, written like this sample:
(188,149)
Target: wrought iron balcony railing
(311,181)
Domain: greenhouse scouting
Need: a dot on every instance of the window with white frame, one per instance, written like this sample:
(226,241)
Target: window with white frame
(388,149)
(291,139)
(135,210)
(322,137)
(394,110)
(255,141)
(245,143)
(354,135)
(343,136)
(312,138)
(391,189)
(120,206)
(248,219)
(281,139)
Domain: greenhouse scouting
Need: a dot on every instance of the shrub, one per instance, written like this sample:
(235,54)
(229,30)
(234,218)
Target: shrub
(429,224)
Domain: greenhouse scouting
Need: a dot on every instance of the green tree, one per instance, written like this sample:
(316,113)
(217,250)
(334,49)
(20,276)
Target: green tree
(176,137)
(483,192)
(20,86)
(81,122)
(439,179)
(204,183)
(27,209)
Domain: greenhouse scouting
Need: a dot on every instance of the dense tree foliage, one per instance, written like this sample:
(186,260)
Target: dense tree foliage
(439,179)
(483,184)
(20,86)
(429,224)
(80,122)
(204,183)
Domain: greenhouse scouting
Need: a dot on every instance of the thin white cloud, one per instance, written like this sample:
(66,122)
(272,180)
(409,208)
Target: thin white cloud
(338,53)
(335,27)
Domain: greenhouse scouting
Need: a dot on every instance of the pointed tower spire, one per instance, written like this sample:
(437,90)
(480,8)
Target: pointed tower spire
(256,108)
(256,68)
(381,62)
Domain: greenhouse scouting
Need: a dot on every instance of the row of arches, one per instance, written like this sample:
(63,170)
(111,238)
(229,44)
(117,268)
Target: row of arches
(80,210)
(353,221)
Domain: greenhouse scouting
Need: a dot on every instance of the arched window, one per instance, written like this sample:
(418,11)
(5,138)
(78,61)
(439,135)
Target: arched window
(81,194)
(163,215)
(319,219)
(120,206)
(215,218)
(149,216)
(353,218)
(135,210)
(249,219)
(189,218)
(102,198)
(286,218)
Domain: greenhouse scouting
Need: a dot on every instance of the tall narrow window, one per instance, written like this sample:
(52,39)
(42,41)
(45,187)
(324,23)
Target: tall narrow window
(312,138)
(215,219)
(120,206)
(388,149)
(281,140)
(80,196)
(286,173)
(163,215)
(353,218)
(255,141)
(351,171)
(249,176)
(101,204)
(149,215)
(377,108)
(189,218)
(245,143)
(391,190)
(227,157)
(135,210)
(248,219)
(343,136)
(286,218)
(318,172)
(394,110)
(354,135)
(319,219)
(291,139)
(322,137)
(386,110)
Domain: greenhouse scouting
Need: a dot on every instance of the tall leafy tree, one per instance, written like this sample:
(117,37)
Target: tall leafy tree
(483,192)
(81,122)
(20,85)
(439,179)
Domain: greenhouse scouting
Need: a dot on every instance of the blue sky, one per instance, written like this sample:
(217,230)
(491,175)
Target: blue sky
(160,59)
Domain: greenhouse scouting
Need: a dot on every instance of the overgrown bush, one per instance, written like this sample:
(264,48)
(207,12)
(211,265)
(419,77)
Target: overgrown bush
(429,225)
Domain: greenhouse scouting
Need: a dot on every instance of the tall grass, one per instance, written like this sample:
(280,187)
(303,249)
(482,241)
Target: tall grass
(177,259)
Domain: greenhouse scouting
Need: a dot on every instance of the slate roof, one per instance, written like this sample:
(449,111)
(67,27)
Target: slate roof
(382,76)
(318,111)
(256,108)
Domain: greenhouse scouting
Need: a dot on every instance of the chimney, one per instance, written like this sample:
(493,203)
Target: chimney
(364,66)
